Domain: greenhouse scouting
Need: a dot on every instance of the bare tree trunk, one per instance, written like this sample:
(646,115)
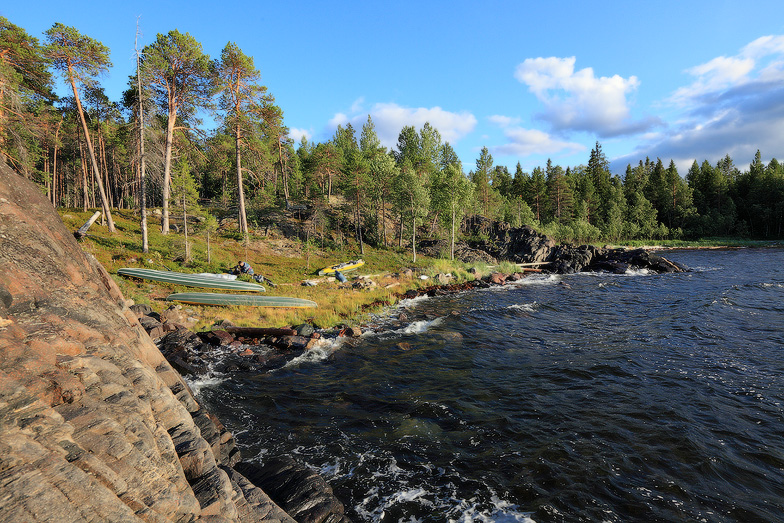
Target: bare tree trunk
(413,233)
(185,228)
(167,156)
(85,188)
(283,172)
(142,158)
(243,219)
(54,163)
(96,173)
(453,232)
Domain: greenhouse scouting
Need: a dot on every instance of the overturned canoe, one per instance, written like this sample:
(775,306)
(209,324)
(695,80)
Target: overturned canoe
(342,267)
(246,300)
(191,280)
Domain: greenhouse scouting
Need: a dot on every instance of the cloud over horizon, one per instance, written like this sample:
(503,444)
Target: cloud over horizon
(579,101)
(390,118)
(735,106)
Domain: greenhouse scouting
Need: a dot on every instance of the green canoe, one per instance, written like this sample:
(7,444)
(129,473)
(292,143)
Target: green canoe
(210,298)
(191,280)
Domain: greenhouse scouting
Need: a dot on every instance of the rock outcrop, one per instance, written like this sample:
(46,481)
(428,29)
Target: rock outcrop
(95,425)
(525,245)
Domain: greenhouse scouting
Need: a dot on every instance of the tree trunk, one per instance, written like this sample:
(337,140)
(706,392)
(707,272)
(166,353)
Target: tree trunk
(185,228)
(142,158)
(85,187)
(167,156)
(359,219)
(283,172)
(96,173)
(413,233)
(54,163)
(453,232)
(243,219)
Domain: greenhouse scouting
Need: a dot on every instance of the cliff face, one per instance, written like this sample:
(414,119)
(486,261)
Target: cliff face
(95,425)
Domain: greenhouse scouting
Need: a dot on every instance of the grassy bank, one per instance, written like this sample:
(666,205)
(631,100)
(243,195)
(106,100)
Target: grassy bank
(285,261)
(703,243)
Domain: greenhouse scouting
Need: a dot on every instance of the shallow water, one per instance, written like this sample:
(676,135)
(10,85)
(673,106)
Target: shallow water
(586,397)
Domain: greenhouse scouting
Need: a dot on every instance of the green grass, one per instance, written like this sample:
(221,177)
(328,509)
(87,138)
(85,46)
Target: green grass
(703,243)
(285,262)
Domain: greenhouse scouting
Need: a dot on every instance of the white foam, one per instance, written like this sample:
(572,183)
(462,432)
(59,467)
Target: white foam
(322,350)
(525,307)
(502,512)
(199,382)
(538,279)
(409,302)
(418,327)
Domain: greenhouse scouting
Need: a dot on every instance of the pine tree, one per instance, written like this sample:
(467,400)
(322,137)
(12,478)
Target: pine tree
(181,76)
(80,59)
(599,172)
(24,79)
(242,100)
(560,195)
(185,195)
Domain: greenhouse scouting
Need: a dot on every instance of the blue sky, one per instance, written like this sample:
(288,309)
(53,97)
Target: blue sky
(681,80)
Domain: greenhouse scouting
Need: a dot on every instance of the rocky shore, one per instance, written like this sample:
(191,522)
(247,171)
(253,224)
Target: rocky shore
(95,424)
(226,348)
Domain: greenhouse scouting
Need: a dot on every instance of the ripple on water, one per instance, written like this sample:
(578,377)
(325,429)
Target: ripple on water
(569,398)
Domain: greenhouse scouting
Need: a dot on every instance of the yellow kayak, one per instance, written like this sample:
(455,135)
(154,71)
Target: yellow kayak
(342,267)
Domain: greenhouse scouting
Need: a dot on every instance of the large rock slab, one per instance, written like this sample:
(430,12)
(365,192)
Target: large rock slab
(95,425)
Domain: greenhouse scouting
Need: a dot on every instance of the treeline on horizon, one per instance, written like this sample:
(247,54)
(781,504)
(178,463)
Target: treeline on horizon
(87,151)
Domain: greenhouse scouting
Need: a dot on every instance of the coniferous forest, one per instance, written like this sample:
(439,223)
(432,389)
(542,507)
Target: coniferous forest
(153,148)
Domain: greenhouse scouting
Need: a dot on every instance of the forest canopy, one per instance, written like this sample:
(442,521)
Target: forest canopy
(85,151)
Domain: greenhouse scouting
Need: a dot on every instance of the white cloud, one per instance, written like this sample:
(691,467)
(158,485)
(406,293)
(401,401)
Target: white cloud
(338,119)
(720,73)
(579,100)
(297,134)
(734,106)
(356,107)
(763,56)
(524,142)
(764,46)
(389,119)
(503,121)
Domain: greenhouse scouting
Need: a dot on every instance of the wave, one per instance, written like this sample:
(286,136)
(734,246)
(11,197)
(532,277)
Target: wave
(196,383)
(537,279)
(322,350)
(522,307)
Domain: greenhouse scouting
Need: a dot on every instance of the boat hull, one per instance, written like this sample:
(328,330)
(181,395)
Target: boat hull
(242,300)
(191,280)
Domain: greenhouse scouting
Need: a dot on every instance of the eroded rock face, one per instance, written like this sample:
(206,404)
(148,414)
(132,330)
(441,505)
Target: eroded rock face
(95,425)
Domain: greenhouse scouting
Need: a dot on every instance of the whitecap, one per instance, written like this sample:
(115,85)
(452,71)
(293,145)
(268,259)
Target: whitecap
(419,327)
(502,512)
(322,350)
(538,279)
(199,382)
(409,302)
(525,307)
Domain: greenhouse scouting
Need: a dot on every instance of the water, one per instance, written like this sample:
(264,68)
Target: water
(566,398)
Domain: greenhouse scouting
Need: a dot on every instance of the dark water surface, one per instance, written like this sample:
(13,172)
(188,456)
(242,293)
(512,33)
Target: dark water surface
(571,398)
